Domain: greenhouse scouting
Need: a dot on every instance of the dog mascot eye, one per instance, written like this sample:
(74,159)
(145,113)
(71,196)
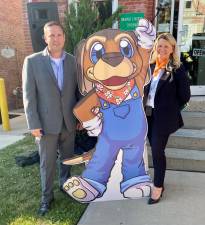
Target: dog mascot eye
(126,48)
(97,51)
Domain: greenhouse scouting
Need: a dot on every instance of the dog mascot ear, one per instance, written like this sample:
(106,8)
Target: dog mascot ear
(112,68)
(84,84)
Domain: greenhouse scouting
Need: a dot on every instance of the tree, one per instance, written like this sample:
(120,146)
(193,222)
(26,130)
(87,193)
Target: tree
(85,18)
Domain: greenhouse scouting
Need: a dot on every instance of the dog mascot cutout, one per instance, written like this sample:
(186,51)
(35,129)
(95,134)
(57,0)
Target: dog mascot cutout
(113,65)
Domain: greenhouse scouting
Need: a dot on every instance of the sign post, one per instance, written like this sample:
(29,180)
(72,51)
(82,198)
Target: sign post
(4,106)
(129,21)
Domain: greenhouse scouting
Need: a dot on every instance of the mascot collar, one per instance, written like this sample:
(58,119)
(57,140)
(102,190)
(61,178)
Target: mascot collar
(114,96)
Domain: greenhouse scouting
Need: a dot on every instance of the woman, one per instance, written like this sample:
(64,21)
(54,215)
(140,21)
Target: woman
(165,95)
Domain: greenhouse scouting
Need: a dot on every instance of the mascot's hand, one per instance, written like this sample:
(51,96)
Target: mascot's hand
(94,126)
(146,34)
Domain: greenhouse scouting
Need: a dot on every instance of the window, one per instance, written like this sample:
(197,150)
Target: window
(188,4)
(41,14)
(164,17)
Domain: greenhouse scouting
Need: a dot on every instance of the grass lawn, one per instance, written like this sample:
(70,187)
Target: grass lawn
(20,192)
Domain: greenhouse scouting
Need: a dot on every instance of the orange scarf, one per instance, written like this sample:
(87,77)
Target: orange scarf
(159,66)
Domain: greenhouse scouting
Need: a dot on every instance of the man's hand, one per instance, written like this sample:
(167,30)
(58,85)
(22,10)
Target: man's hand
(37,132)
(146,34)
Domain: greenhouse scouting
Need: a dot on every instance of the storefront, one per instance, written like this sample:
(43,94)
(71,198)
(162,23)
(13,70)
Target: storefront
(185,19)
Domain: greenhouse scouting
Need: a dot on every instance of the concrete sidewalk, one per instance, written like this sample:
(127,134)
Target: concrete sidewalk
(182,204)
(18,130)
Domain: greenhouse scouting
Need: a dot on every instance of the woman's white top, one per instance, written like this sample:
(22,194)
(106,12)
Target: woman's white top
(153,88)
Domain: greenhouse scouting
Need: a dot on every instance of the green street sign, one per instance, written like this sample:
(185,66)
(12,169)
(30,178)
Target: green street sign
(129,21)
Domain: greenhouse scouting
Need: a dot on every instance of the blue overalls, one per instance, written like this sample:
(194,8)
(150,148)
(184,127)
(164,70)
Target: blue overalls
(124,127)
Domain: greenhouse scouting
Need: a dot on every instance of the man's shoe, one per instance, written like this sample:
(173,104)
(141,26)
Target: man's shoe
(44,208)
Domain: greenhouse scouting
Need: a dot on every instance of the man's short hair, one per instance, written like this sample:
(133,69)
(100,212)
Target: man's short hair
(53,23)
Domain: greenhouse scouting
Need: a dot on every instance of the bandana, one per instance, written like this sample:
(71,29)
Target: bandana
(114,96)
(159,66)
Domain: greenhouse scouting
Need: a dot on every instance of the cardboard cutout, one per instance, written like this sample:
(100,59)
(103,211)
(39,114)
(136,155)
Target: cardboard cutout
(113,66)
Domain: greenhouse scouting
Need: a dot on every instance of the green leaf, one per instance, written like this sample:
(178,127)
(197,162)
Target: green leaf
(86,18)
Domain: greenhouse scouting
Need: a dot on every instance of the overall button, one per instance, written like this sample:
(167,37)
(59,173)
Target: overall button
(105,105)
(135,95)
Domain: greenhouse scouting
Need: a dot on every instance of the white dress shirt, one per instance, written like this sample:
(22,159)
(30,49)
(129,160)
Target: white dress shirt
(153,88)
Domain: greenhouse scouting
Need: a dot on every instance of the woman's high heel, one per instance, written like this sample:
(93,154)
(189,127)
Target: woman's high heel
(152,201)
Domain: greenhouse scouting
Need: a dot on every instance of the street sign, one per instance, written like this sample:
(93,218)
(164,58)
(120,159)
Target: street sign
(199,52)
(129,21)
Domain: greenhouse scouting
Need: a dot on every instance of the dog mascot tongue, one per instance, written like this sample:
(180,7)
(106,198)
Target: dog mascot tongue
(113,66)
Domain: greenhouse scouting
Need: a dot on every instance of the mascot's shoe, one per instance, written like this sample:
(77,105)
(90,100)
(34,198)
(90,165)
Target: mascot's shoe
(80,189)
(139,190)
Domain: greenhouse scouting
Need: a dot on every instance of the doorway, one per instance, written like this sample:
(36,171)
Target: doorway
(191,40)
(40,13)
(185,19)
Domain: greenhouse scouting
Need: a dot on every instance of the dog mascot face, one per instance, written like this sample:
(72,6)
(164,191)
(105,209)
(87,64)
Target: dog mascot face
(111,58)
(112,69)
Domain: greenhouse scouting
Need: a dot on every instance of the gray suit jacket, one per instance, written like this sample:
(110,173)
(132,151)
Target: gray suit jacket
(45,105)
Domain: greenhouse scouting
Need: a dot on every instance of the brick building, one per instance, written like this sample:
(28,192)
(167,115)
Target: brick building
(184,19)
(12,46)
(15,37)
(15,43)
(146,6)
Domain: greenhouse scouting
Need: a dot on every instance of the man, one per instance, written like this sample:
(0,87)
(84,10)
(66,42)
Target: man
(49,86)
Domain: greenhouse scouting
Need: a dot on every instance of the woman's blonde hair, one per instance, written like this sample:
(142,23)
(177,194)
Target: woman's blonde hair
(174,57)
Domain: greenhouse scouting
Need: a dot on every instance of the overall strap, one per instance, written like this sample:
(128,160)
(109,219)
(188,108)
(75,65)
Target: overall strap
(135,93)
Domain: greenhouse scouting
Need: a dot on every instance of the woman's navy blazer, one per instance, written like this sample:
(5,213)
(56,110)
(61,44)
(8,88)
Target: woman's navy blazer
(173,92)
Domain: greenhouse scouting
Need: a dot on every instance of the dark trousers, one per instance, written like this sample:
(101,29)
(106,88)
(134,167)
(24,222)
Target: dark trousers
(158,144)
(49,144)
